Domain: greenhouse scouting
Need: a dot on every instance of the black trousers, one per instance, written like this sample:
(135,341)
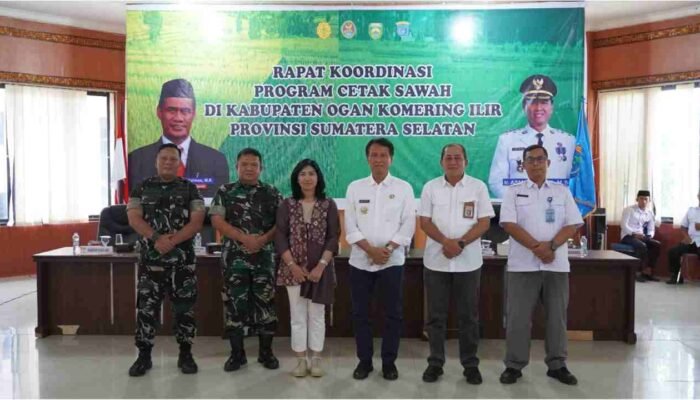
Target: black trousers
(362,284)
(674,258)
(464,286)
(646,249)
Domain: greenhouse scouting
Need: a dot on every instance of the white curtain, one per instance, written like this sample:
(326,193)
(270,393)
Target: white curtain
(623,161)
(55,150)
(675,161)
(650,139)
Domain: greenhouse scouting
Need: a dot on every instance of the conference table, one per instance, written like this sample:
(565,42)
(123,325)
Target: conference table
(95,294)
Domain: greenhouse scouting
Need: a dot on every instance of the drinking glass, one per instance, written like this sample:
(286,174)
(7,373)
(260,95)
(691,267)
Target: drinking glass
(105,240)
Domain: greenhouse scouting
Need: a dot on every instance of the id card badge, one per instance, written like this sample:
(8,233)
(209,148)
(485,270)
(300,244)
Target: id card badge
(468,210)
(549,213)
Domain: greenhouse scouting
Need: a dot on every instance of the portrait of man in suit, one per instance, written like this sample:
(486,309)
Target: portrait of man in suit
(202,165)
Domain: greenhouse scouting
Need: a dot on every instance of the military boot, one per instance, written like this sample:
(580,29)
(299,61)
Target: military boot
(265,356)
(237,358)
(142,364)
(185,361)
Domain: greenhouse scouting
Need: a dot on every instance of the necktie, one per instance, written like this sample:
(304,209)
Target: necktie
(181,167)
(539,139)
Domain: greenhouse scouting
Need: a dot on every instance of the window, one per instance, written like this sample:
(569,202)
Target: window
(58,146)
(650,139)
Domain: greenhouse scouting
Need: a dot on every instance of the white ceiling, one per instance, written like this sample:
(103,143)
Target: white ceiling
(109,16)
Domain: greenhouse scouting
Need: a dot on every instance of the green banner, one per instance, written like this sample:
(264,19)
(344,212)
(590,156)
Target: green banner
(321,83)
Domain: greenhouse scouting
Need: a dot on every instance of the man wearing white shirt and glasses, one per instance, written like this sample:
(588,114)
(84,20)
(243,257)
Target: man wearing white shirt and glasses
(540,217)
(380,220)
(690,227)
(454,212)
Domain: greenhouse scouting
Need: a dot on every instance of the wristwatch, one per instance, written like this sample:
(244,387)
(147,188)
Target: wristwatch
(155,236)
(553,246)
(323,262)
(461,244)
(389,247)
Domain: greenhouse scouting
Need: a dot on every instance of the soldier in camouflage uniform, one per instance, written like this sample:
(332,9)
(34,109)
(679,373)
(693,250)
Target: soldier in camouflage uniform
(167,211)
(244,212)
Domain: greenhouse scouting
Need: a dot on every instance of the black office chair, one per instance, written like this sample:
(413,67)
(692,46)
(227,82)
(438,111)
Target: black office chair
(208,232)
(496,234)
(113,220)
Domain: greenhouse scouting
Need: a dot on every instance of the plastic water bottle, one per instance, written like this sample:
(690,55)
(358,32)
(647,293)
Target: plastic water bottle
(198,241)
(76,243)
(584,246)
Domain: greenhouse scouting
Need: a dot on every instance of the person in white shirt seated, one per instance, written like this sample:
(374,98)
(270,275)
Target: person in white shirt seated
(637,227)
(690,227)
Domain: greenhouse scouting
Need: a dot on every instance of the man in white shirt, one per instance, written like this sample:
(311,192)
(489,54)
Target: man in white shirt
(540,216)
(637,230)
(455,211)
(380,220)
(690,227)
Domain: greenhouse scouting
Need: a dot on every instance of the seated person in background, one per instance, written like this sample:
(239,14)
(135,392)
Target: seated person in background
(690,227)
(637,227)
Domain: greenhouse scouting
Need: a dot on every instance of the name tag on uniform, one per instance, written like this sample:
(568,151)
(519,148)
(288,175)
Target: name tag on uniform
(522,195)
(549,213)
(364,209)
(468,210)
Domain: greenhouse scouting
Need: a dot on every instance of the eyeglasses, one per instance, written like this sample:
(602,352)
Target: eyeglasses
(535,160)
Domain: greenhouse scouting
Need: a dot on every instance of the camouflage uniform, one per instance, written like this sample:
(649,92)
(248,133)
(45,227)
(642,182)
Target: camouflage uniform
(249,279)
(166,208)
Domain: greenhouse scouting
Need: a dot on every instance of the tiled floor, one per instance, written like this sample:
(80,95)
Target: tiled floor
(661,365)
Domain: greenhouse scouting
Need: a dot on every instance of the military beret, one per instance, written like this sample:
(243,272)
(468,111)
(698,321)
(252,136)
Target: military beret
(176,88)
(538,87)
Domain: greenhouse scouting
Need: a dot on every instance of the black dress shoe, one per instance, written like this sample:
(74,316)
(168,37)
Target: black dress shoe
(362,370)
(510,375)
(473,375)
(563,375)
(650,277)
(186,363)
(432,373)
(672,282)
(141,365)
(389,372)
(640,278)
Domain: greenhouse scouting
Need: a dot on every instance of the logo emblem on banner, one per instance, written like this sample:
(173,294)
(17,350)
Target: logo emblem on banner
(348,29)
(323,30)
(403,29)
(376,30)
